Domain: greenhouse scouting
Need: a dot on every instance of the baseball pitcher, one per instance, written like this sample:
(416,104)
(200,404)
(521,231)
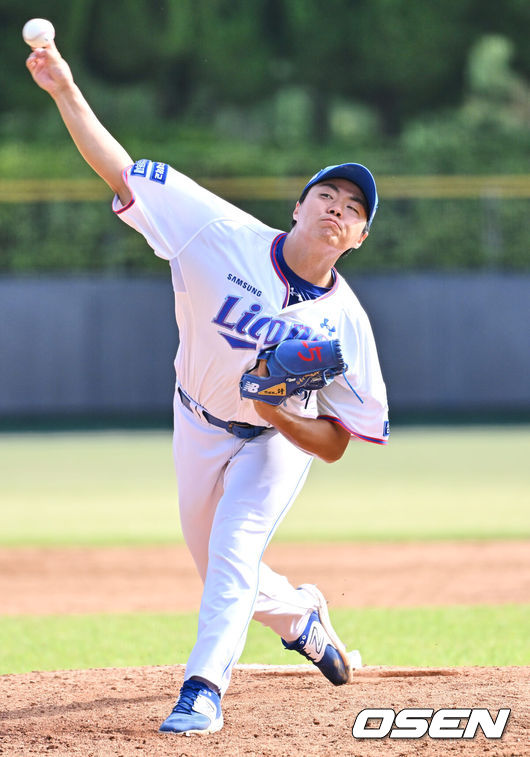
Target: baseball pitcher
(276,365)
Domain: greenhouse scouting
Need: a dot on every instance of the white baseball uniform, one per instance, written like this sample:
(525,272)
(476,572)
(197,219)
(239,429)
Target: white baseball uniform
(232,293)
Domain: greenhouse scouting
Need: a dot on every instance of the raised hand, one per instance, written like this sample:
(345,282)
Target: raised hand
(97,146)
(49,70)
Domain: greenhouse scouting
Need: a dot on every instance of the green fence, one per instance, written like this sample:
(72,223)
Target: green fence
(424,223)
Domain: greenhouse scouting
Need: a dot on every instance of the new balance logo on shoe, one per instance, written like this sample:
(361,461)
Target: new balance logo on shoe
(316,643)
(205,706)
(320,643)
(198,710)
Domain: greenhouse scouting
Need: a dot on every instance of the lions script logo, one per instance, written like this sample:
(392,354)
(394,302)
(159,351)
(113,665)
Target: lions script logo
(243,329)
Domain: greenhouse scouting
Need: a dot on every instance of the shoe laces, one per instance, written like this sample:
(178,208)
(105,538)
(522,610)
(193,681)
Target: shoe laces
(188,695)
(304,654)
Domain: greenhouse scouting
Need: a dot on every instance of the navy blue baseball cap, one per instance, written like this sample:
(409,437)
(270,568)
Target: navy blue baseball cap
(354,172)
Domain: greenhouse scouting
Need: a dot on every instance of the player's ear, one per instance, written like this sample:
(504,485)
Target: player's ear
(361,239)
(295,211)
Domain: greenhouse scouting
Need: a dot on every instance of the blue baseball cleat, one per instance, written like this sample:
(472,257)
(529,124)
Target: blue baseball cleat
(320,643)
(198,710)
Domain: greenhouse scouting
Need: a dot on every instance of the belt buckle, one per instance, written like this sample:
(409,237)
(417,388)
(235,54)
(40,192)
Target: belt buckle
(244,430)
(241,430)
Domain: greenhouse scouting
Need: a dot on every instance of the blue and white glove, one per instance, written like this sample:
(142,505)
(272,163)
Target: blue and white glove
(295,366)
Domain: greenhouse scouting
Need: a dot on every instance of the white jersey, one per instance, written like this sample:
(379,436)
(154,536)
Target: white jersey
(231,299)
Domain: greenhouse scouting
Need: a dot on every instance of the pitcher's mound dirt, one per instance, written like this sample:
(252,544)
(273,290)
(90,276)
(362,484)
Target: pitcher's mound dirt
(95,713)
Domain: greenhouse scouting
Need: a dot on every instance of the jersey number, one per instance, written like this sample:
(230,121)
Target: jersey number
(314,352)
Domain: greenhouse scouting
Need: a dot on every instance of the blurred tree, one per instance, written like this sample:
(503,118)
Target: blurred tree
(233,51)
(183,49)
(402,57)
(511,20)
(319,49)
(497,93)
(286,62)
(407,56)
(138,41)
(489,132)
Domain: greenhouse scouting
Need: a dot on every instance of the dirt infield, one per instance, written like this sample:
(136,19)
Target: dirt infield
(123,579)
(95,713)
(267,712)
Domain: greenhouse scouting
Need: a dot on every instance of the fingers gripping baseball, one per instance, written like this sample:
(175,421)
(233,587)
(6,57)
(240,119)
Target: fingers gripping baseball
(48,69)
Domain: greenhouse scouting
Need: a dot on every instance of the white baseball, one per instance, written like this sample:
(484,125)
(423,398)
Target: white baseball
(38,32)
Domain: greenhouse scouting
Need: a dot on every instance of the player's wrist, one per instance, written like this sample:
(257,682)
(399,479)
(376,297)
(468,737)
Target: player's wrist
(66,91)
(269,413)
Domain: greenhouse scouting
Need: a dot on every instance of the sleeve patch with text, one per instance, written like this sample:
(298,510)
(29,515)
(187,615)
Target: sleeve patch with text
(159,172)
(140,167)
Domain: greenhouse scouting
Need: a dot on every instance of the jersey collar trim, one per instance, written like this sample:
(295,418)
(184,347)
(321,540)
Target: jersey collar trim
(278,271)
(276,266)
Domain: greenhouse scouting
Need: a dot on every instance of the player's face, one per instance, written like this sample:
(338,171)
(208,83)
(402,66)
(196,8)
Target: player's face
(333,211)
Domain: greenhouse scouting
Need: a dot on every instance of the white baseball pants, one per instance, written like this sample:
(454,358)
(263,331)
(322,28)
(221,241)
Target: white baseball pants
(233,494)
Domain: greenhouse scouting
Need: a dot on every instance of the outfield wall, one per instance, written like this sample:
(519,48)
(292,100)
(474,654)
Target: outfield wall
(94,344)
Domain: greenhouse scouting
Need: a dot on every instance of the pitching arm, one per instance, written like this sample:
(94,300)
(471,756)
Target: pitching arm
(325,439)
(97,146)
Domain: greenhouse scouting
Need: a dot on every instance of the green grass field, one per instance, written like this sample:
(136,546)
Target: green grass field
(435,636)
(119,488)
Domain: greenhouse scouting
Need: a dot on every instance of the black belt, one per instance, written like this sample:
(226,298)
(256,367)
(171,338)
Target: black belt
(241,430)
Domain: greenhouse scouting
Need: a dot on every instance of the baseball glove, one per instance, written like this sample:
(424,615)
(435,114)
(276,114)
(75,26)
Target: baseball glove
(295,366)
